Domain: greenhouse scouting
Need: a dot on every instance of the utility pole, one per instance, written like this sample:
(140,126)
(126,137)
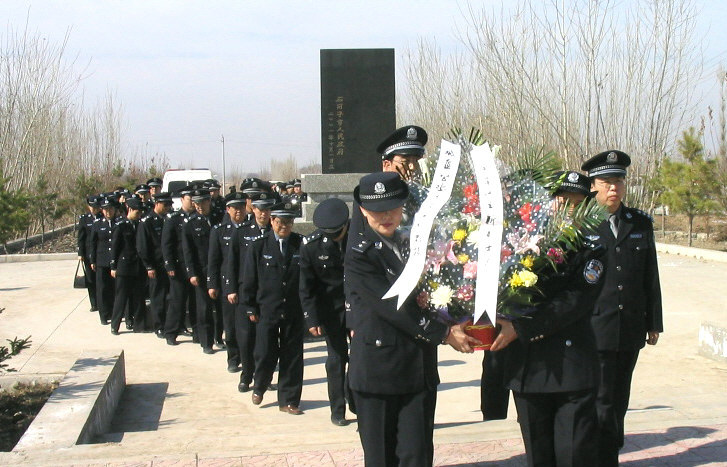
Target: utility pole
(224,180)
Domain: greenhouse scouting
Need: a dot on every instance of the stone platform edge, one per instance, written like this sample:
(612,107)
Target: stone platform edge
(82,406)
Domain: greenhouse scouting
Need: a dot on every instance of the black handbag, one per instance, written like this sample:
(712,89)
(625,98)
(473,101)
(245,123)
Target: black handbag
(79,282)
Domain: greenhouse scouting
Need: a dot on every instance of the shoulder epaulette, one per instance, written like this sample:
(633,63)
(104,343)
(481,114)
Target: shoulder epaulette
(645,214)
(255,239)
(313,237)
(362,245)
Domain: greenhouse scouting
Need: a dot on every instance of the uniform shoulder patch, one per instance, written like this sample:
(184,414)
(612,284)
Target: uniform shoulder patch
(592,271)
(642,213)
(361,246)
(314,236)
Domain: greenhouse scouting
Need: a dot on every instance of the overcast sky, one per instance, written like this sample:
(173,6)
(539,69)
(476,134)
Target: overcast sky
(188,72)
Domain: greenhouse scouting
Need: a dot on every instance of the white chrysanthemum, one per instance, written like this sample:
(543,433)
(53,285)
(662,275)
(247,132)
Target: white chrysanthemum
(442,296)
(473,239)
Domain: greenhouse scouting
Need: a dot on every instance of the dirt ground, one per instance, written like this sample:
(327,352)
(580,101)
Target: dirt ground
(18,407)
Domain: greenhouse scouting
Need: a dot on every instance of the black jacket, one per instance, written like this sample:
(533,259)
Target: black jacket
(85,224)
(629,304)
(149,241)
(321,278)
(101,241)
(270,280)
(196,245)
(392,351)
(242,237)
(124,257)
(172,241)
(556,350)
(219,255)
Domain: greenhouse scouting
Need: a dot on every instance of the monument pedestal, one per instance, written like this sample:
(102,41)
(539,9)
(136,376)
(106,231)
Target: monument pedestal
(321,187)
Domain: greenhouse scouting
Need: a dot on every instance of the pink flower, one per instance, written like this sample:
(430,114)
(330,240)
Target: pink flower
(470,270)
(465,293)
(449,254)
(505,253)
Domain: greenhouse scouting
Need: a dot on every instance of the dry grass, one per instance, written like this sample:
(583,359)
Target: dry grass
(18,407)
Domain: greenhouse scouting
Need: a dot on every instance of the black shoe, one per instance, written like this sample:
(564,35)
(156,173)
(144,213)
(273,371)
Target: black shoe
(272,387)
(339,421)
(172,341)
(233,368)
(208,350)
(93,309)
(159,333)
(257,398)
(129,326)
(186,332)
(105,322)
(114,332)
(221,345)
(195,340)
(243,387)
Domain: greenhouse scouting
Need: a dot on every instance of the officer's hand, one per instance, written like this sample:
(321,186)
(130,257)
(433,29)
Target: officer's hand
(254,318)
(315,330)
(194,281)
(212,293)
(232,298)
(506,335)
(151,274)
(113,273)
(460,341)
(93,267)
(170,273)
(652,338)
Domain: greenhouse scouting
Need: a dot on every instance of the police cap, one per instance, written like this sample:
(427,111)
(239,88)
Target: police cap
(283,209)
(263,200)
(155,181)
(611,163)
(93,201)
(406,141)
(142,188)
(163,197)
(331,215)
(200,194)
(134,202)
(381,191)
(573,182)
(235,198)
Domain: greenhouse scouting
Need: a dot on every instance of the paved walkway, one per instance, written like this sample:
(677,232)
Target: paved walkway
(181,407)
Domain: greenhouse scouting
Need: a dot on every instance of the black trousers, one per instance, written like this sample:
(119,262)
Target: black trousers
(337,349)
(181,299)
(396,430)
(158,290)
(129,298)
(612,402)
(559,429)
(205,319)
(228,322)
(90,276)
(280,340)
(104,293)
(245,335)
(219,320)
(494,396)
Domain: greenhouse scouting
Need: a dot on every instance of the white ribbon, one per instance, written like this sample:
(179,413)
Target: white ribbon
(439,193)
(488,249)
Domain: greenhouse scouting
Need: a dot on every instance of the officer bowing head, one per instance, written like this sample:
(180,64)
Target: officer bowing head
(381,196)
(607,171)
(134,204)
(282,216)
(202,201)
(573,189)
(235,205)
(400,151)
(331,217)
(162,203)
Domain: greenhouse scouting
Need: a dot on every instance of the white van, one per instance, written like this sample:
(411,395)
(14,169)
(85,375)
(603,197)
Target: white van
(176,179)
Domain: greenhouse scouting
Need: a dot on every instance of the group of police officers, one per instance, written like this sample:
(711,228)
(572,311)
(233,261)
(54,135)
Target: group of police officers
(231,267)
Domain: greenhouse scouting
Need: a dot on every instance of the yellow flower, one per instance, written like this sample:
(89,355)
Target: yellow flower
(515,281)
(527,262)
(433,285)
(528,278)
(442,296)
(459,235)
(463,258)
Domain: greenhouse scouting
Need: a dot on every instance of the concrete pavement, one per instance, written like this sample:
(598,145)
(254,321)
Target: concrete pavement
(181,407)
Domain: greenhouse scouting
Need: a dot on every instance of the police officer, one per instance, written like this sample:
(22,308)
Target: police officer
(85,224)
(181,294)
(220,254)
(155,186)
(126,269)
(252,187)
(269,296)
(628,311)
(322,297)
(144,193)
(101,256)
(549,357)
(400,153)
(195,245)
(218,208)
(393,361)
(242,237)
(148,245)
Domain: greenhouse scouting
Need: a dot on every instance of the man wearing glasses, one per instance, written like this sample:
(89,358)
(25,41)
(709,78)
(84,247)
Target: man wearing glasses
(627,313)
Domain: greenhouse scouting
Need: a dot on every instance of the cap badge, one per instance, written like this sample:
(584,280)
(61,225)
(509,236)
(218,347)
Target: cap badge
(611,158)
(379,187)
(254,184)
(263,196)
(411,133)
(288,206)
(573,177)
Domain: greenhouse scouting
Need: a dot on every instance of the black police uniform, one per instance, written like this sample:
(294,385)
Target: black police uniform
(628,306)
(85,224)
(129,277)
(270,291)
(552,367)
(323,301)
(195,244)
(101,259)
(217,269)
(148,245)
(181,293)
(245,330)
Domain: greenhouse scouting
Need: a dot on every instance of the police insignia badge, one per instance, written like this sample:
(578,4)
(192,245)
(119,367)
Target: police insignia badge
(573,177)
(611,158)
(378,245)
(323,257)
(411,133)
(379,188)
(592,271)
